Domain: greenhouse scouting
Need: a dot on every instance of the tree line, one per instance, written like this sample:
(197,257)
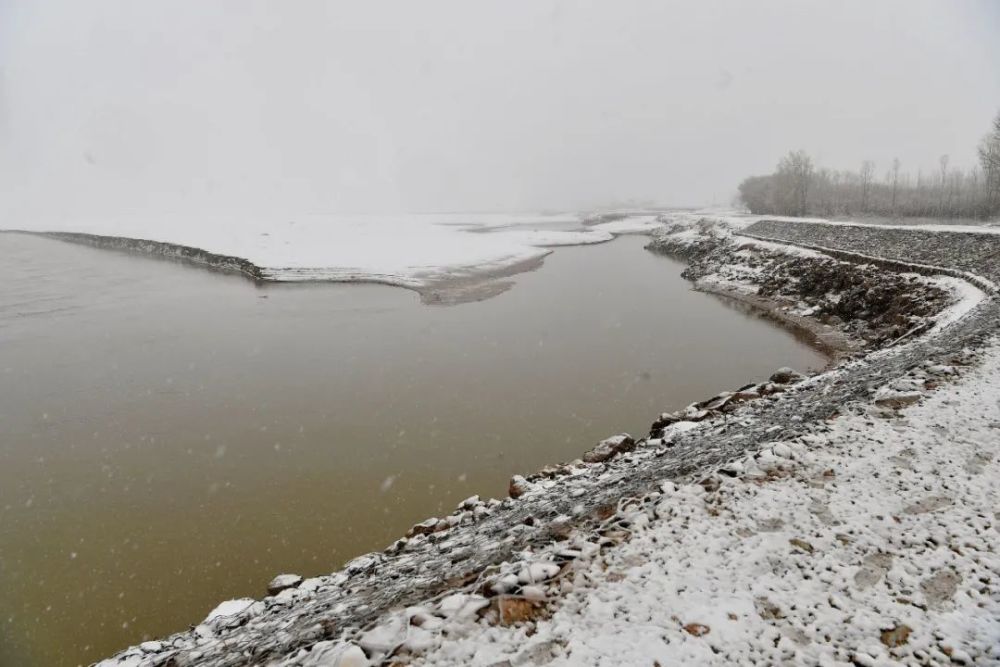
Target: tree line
(798,188)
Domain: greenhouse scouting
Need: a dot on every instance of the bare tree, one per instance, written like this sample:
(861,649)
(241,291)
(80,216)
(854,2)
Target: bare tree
(989,159)
(794,173)
(797,188)
(867,173)
(895,183)
(943,162)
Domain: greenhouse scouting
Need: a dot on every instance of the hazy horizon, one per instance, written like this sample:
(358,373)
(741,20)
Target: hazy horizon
(119,108)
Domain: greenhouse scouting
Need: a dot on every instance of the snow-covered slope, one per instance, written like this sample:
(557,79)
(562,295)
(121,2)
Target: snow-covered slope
(873,541)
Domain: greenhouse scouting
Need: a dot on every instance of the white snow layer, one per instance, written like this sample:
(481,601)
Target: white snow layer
(739,220)
(966,297)
(545,238)
(228,608)
(634,224)
(875,541)
(407,250)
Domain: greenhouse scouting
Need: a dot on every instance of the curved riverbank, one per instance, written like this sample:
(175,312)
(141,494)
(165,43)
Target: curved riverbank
(841,303)
(571,503)
(833,343)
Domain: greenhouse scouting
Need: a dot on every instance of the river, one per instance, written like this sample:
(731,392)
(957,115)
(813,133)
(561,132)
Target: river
(173,436)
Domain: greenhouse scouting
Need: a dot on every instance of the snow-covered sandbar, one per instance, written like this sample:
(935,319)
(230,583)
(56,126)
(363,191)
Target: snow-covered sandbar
(445,257)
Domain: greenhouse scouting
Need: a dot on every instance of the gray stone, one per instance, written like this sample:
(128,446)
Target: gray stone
(610,447)
(283,582)
(786,375)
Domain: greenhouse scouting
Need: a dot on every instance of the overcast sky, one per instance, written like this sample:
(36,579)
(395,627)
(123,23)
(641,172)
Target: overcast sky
(284,107)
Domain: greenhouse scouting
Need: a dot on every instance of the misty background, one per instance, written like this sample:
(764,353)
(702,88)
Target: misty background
(112,107)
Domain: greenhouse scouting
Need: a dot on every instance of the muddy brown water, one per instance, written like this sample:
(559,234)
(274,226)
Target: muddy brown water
(171,437)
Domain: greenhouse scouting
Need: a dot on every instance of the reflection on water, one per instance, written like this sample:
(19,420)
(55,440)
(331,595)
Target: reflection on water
(174,437)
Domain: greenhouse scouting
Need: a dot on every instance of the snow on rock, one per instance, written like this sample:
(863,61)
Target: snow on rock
(425,527)
(518,486)
(129,660)
(229,608)
(334,654)
(385,636)
(462,606)
(877,542)
(533,593)
(786,375)
(533,573)
(283,582)
(609,447)
(894,398)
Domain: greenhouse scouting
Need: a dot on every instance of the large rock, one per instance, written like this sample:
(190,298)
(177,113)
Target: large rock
(610,447)
(787,376)
(425,527)
(283,582)
(228,608)
(514,610)
(335,654)
(897,399)
(665,419)
(896,636)
(518,486)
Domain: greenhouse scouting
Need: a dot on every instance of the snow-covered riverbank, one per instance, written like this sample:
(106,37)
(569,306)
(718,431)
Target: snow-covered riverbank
(841,306)
(576,542)
(872,540)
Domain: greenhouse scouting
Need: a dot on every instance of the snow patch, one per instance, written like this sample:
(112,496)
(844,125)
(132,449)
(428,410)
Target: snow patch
(967,296)
(229,608)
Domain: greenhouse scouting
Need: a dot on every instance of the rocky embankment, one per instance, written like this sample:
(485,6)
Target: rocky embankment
(506,564)
(842,306)
(871,541)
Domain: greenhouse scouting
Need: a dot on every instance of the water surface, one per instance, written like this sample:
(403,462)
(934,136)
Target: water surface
(172,437)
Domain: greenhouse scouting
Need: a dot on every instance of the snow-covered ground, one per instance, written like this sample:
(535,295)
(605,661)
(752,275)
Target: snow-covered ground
(966,297)
(740,219)
(406,250)
(874,541)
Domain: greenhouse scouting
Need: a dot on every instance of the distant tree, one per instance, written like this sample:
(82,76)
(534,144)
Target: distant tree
(792,179)
(943,163)
(989,160)
(895,183)
(867,175)
(797,188)
(756,192)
